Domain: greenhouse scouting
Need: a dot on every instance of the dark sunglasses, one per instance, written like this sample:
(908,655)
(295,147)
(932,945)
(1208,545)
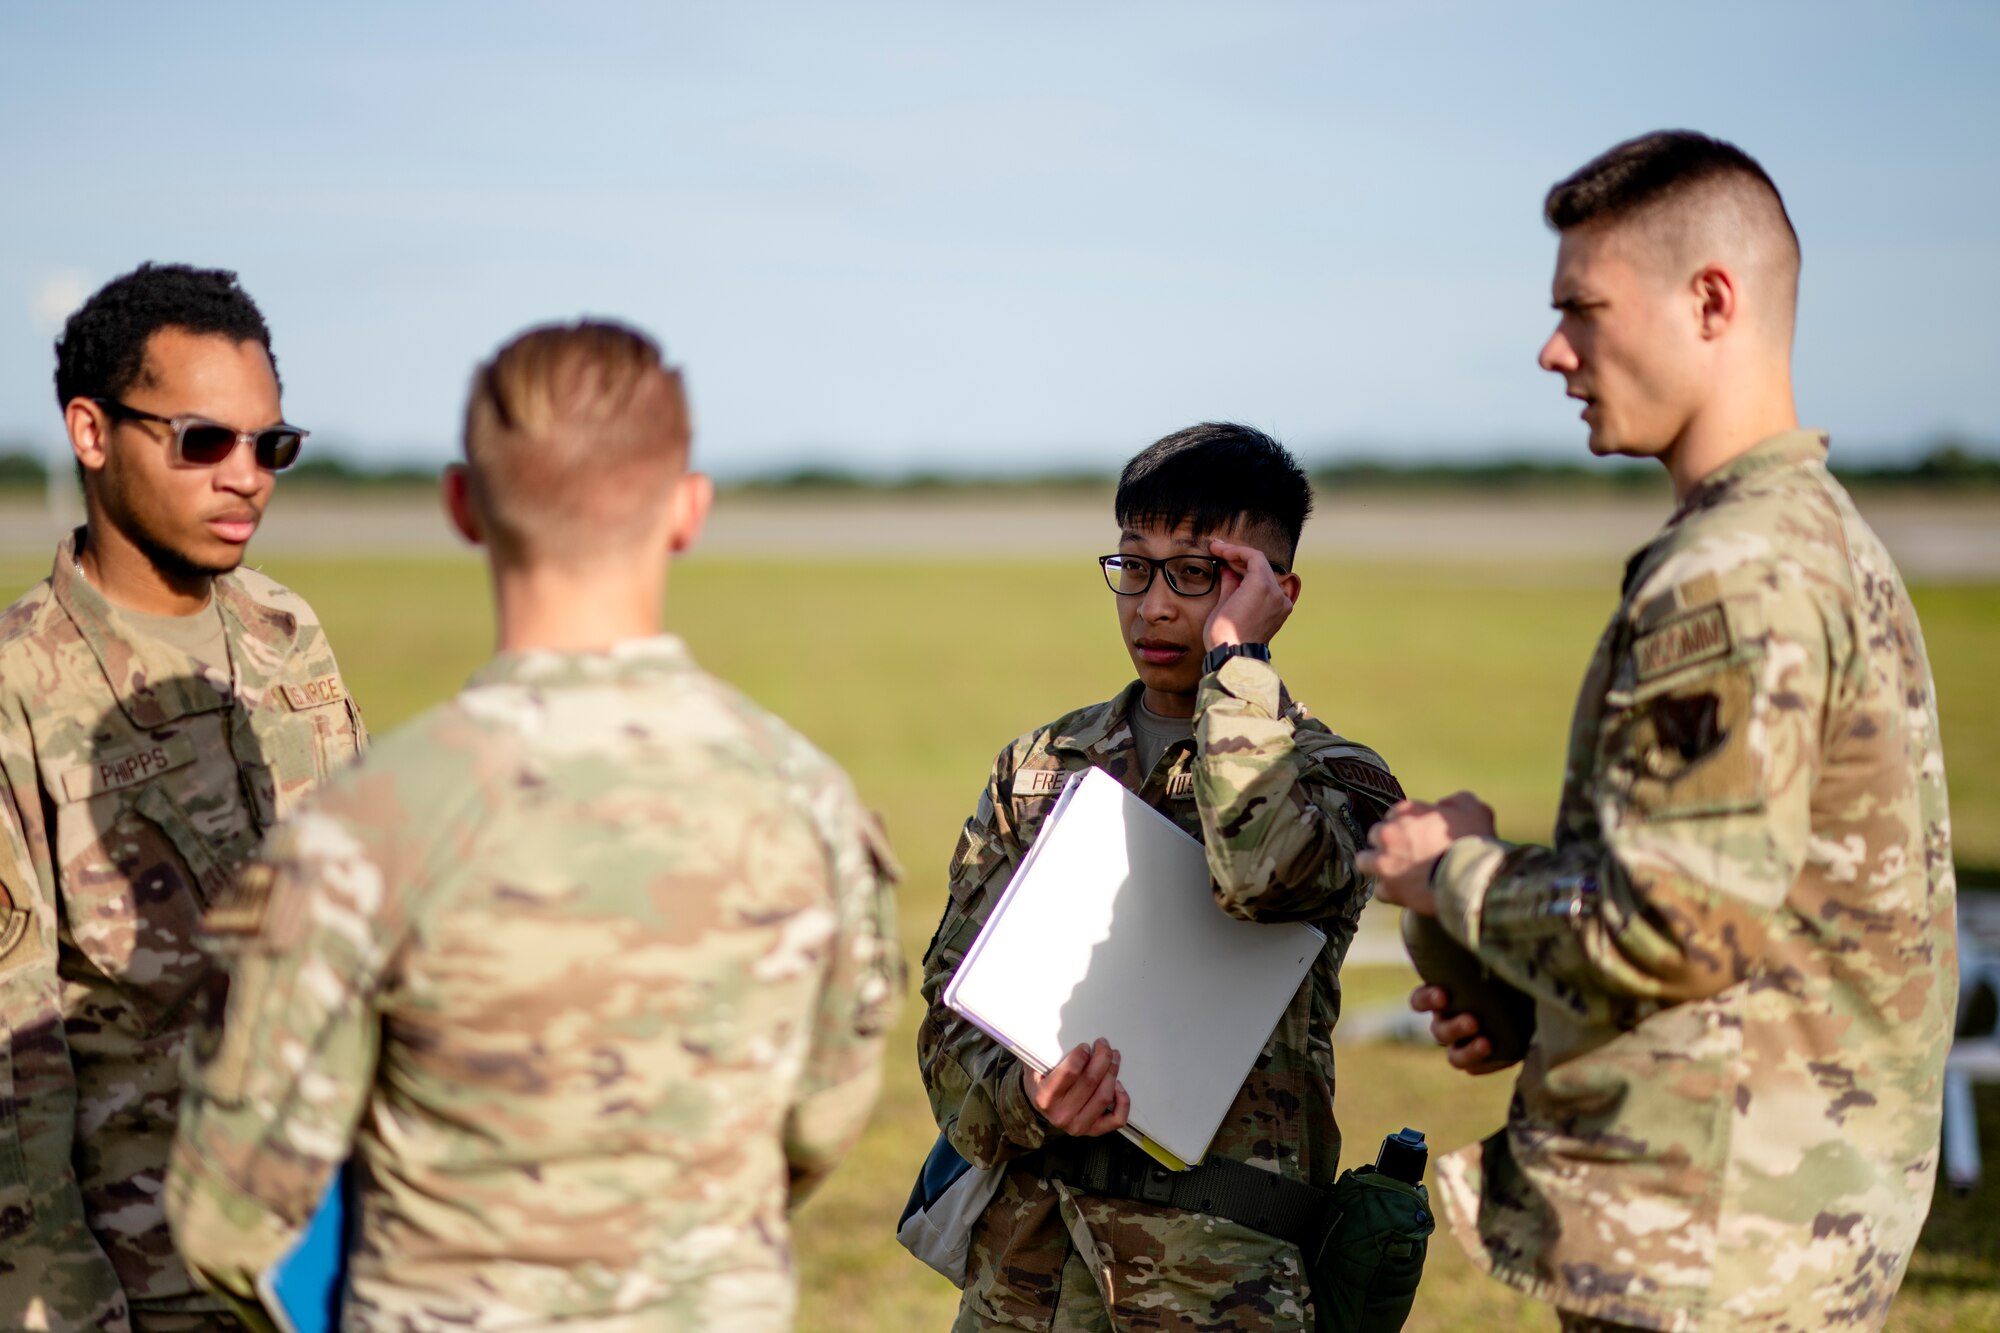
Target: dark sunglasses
(199,442)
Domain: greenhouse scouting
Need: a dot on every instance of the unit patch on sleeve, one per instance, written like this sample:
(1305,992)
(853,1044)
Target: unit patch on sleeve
(1698,636)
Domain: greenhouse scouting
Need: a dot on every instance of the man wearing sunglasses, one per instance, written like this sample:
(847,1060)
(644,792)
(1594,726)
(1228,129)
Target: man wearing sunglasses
(159,710)
(1209,521)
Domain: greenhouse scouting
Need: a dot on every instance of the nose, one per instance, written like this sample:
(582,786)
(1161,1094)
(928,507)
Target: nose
(1158,602)
(1557,355)
(239,471)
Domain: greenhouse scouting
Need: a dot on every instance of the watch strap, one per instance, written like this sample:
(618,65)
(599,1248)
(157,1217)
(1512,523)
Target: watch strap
(1222,652)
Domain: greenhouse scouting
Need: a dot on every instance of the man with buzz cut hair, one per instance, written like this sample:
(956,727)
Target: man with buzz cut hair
(1741,947)
(1202,581)
(587,969)
(160,710)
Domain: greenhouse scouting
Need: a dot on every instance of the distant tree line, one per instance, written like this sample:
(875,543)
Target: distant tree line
(1948,464)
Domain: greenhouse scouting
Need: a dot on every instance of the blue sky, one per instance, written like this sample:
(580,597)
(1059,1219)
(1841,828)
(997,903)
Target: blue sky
(988,237)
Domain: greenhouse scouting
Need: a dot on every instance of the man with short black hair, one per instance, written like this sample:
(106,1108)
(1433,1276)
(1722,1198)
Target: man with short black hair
(1203,580)
(1741,945)
(160,709)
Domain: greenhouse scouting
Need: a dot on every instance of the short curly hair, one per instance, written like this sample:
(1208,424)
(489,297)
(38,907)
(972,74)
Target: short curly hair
(102,350)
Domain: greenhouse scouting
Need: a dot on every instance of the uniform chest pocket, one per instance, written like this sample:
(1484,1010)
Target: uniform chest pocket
(134,890)
(313,735)
(1685,746)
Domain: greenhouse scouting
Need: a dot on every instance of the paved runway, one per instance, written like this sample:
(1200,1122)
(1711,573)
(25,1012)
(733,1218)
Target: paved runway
(1943,538)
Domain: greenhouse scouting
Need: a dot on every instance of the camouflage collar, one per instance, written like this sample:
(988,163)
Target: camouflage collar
(1101,732)
(1789,449)
(660,655)
(155,682)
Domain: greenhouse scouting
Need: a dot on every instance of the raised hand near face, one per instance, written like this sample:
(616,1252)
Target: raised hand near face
(1253,603)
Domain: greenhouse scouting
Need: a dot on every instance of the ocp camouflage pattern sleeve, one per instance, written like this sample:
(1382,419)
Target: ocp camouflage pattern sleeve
(860,997)
(1280,834)
(279,1073)
(1706,770)
(53,1273)
(975,1084)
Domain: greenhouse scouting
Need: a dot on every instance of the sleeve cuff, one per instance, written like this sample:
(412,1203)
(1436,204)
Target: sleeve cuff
(1245,678)
(1020,1121)
(1460,880)
(226,1236)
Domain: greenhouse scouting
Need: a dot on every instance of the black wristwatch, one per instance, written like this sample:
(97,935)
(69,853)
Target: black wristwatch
(1222,652)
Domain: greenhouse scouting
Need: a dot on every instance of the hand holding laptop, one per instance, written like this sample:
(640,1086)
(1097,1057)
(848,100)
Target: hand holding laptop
(1081,1095)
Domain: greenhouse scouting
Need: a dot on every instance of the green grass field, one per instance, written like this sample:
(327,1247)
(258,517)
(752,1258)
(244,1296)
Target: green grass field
(914,673)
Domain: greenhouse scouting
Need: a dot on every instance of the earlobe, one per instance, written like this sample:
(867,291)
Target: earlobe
(694,495)
(1715,301)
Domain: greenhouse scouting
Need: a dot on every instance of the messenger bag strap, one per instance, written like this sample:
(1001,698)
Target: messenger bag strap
(1220,1186)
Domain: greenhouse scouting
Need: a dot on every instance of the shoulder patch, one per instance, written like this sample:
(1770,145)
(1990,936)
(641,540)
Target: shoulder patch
(315,693)
(1377,782)
(1698,636)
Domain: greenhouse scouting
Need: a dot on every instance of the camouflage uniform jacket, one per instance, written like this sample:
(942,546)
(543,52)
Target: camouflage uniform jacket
(588,970)
(133,781)
(1741,945)
(1281,804)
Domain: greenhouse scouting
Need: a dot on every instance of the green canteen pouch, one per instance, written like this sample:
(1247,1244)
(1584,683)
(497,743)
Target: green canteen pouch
(1364,1273)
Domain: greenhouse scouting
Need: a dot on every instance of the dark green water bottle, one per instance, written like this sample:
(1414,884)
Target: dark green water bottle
(1371,1256)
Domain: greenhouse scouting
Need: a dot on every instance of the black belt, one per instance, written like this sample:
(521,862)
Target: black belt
(1220,1186)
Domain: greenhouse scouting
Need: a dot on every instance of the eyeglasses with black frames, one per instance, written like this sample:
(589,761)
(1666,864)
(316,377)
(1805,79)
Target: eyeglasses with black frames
(199,442)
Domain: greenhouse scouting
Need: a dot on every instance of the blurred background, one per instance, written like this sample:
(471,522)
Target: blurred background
(935,271)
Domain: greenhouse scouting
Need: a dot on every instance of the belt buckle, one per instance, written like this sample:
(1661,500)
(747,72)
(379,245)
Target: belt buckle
(1156,1183)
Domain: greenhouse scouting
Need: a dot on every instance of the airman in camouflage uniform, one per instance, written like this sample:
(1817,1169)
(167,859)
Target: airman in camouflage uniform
(1280,803)
(1741,944)
(137,773)
(587,970)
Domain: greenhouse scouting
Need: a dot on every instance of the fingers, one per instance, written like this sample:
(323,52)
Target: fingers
(1241,558)
(1045,1089)
(1454,1029)
(1471,1054)
(1115,1118)
(1081,1090)
(1429,999)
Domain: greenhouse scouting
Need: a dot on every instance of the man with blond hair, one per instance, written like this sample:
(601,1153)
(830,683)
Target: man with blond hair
(588,969)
